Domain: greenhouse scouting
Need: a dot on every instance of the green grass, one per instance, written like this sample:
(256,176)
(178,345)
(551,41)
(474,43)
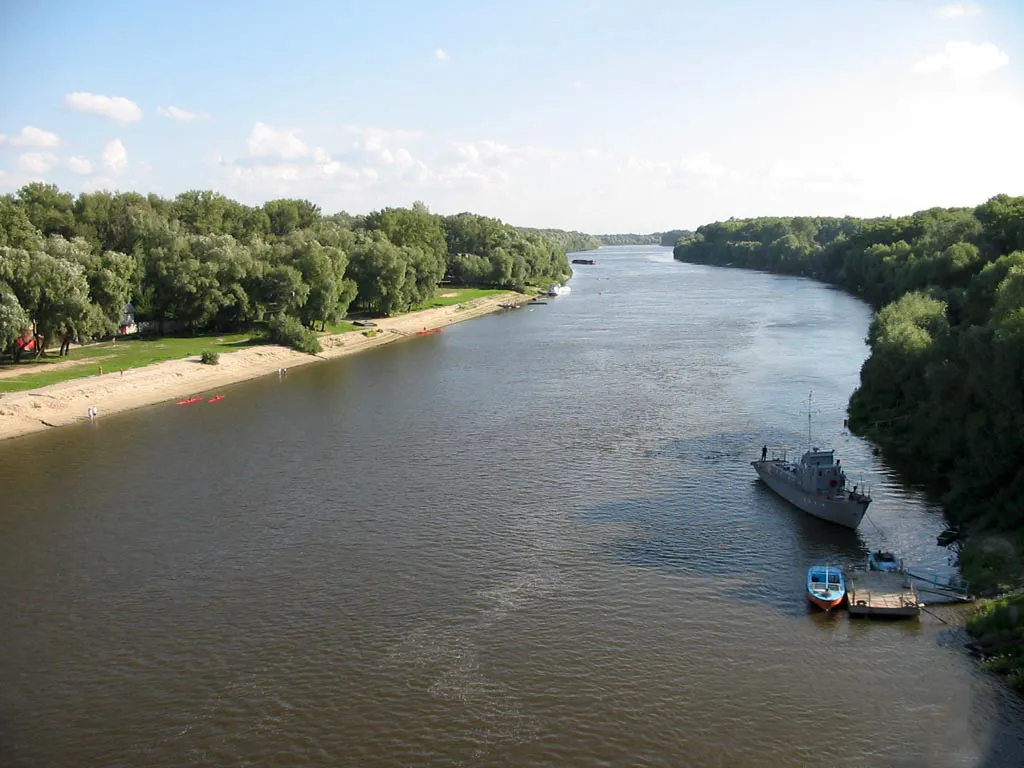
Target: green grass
(461,295)
(993,564)
(136,353)
(997,628)
(117,356)
(342,327)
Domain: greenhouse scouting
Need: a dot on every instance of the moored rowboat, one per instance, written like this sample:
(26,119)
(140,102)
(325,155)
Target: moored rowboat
(826,586)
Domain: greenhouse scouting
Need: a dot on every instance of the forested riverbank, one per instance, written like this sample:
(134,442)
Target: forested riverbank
(69,265)
(942,390)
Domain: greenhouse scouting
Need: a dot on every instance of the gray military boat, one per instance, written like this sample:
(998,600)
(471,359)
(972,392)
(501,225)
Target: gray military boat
(816,484)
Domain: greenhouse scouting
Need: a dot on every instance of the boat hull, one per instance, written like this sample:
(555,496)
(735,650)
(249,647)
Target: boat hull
(826,603)
(841,510)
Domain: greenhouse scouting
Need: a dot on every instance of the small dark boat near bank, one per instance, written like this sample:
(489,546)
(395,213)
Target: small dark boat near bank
(584,261)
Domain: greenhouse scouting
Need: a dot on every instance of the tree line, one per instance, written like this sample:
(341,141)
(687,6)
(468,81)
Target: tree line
(630,239)
(570,242)
(70,265)
(943,387)
(671,238)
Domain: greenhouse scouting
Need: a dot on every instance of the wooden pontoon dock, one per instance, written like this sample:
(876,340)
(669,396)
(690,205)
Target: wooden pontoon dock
(880,594)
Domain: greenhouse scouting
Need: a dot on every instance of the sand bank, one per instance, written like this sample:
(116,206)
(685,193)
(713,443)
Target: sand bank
(22,413)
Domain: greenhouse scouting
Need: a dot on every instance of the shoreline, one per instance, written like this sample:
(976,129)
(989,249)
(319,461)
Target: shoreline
(58,405)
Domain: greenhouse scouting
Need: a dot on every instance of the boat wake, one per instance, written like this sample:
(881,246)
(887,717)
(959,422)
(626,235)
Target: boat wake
(448,658)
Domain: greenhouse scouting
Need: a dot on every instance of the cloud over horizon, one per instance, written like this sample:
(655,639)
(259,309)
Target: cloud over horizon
(178,114)
(964,60)
(116,108)
(598,131)
(959,10)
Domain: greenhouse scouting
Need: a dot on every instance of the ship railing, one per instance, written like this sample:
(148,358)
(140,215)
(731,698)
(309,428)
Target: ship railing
(950,582)
(859,491)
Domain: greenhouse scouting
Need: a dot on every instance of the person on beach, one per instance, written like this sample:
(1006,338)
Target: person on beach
(65,342)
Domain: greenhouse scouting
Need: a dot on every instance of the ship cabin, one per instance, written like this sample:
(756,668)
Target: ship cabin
(821,473)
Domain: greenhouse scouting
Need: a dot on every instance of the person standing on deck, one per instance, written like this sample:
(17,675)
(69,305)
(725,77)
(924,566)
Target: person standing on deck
(764,452)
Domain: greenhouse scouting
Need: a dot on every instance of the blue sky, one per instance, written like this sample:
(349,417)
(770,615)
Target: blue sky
(599,116)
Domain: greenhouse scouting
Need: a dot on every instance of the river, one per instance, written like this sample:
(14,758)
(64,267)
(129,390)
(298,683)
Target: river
(532,539)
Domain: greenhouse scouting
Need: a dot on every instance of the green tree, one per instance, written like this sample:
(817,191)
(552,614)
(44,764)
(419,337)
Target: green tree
(51,211)
(14,320)
(16,230)
(413,227)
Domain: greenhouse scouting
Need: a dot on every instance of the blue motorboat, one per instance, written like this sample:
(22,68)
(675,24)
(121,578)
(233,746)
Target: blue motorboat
(884,561)
(826,586)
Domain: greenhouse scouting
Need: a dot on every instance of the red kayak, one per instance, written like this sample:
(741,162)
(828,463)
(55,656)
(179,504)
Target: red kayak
(432,330)
(190,401)
(216,399)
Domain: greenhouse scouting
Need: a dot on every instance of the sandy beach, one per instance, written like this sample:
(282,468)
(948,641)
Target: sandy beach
(57,405)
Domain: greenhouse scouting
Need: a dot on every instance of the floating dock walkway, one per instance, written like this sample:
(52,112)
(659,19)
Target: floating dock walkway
(881,594)
(939,591)
(902,594)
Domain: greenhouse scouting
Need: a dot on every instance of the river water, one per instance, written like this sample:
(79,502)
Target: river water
(533,539)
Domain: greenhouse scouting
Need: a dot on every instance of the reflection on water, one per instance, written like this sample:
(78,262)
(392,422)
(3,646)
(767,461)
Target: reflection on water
(535,539)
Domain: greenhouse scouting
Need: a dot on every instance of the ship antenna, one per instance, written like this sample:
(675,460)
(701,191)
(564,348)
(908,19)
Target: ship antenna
(809,396)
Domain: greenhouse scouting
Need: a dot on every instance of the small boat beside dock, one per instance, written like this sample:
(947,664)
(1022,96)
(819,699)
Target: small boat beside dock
(826,586)
(884,561)
(931,588)
(880,594)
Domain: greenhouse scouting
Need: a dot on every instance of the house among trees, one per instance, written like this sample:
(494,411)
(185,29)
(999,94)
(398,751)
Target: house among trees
(128,320)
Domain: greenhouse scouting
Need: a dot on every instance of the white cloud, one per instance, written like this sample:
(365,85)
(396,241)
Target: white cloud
(485,163)
(373,166)
(16,179)
(959,10)
(37,162)
(486,151)
(385,134)
(964,60)
(117,108)
(80,165)
(98,183)
(441,54)
(403,158)
(115,155)
(265,141)
(288,178)
(181,115)
(29,136)
(797,162)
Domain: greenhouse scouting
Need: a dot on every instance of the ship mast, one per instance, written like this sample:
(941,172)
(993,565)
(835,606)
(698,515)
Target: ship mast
(810,395)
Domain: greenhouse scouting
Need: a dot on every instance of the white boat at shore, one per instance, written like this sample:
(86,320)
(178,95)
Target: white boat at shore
(816,484)
(559,290)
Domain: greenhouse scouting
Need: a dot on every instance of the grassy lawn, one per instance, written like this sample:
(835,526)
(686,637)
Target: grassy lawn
(443,299)
(136,353)
(117,356)
(342,327)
